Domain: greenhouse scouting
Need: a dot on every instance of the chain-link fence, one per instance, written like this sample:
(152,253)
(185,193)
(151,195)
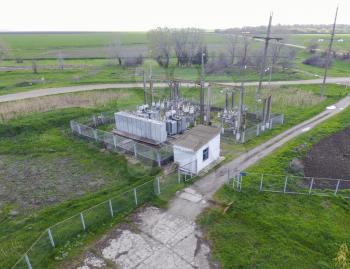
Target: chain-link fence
(258,129)
(44,250)
(86,127)
(290,184)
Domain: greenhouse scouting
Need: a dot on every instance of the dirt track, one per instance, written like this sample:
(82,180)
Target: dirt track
(60,90)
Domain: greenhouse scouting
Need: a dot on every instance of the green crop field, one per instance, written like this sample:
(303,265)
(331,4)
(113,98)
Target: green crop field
(86,60)
(307,39)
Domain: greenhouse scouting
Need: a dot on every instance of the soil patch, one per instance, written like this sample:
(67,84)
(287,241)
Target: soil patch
(330,157)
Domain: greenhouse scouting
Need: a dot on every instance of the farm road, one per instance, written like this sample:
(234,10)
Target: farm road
(169,239)
(92,87)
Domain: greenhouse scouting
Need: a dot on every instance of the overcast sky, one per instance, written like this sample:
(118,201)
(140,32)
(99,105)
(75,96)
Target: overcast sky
(126,15)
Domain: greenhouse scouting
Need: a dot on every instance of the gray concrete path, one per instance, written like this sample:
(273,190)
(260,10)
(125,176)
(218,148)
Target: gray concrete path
(168,239)
(92,87)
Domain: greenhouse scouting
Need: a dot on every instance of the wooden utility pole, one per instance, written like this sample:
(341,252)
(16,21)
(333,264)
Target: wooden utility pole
(151,84)
(329,51)
(144,88)
(267,39)
(202,90)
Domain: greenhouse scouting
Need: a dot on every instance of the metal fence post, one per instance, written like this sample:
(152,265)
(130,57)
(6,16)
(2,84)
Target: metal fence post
(258,129)
(71,126)
(135,196)
(82,221)
(178,176)
(95,134)
(243,137)
(135,149)
(282,121)
(228,174)
(79,129)
(115,141)
(158,159)
(51,238)
(158,185)
(27,261)
(337,187)
(111,207)
(240,182)
(285,184)
(261,182)
(311,185)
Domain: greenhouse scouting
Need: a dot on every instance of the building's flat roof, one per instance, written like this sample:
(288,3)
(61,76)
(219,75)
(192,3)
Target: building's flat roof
(197,137)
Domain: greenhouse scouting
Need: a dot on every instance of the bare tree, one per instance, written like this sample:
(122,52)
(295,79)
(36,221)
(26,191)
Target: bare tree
(115,51)
(288,56)
(60,60)
(187,43)
(231,43)
(161,45)
(180,39)
(276,48)
(2,50)
(243,52)
(312,47)
(34,66)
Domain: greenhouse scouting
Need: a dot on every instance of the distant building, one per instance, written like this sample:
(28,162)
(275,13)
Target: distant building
(197,148)
(340,40)
(320,40)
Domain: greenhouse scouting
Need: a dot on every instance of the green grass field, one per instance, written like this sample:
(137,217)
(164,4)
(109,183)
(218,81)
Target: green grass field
(86,60)
(264,230)
(307,39)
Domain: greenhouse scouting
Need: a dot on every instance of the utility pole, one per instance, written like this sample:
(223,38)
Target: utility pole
(208,104)
(202,89)
(144,88)
(329,51)
(151,85)
(267,39)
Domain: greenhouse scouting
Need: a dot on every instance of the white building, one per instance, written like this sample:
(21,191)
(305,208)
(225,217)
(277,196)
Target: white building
(197,148)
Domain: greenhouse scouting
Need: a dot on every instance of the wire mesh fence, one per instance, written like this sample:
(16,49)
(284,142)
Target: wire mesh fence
(254,130)
(44,250)
(86,128)
(290,184)
(259,128)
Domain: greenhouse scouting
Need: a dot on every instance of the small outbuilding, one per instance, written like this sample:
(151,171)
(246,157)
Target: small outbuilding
(197,148)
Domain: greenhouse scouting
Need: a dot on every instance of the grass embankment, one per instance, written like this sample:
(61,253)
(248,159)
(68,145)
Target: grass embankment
(264,230)
(48,175)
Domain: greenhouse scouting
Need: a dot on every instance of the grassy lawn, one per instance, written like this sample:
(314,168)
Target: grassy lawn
(264,230)
(48,175)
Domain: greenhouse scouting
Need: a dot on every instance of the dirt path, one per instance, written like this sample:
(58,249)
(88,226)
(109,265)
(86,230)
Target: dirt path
(92,87)
(170,238)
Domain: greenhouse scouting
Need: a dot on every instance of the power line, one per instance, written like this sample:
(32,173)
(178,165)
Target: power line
(329,53)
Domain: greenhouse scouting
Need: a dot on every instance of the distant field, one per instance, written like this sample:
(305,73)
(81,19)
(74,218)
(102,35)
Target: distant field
(307,39)
(86,60)
(80,45)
